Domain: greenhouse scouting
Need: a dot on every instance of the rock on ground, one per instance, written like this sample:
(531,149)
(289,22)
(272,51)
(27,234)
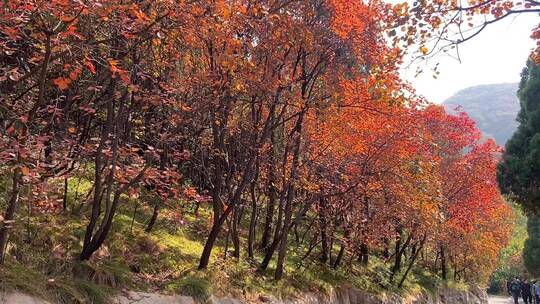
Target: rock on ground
(19,298)
(132,297)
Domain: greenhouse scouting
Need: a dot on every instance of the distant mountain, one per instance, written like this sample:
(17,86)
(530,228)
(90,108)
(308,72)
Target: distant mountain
(494,107)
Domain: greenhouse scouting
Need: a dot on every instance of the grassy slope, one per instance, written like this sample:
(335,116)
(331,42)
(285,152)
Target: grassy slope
(45,248)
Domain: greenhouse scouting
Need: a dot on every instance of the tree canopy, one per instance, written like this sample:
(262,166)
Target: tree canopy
(518,172)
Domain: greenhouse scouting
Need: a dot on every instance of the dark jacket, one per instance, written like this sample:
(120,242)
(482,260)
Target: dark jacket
(525,288)
(514,288)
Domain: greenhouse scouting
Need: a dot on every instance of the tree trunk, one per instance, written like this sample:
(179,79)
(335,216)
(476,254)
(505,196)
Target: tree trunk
(308,228)
(364,253)
(339,256)
(235,233)
(218,218)
(271,249)
(269,253)
(9,215)
(323,227)
(227,238)
(153,219)
(400,249)
(133,218)
(64,198)
(99,237)
(444,272)
(272,196)
(289,202)
(234,201)
(413,259)
(386,250)
(284,236)
(98,165)
(314,242)
(252,222)
(397,257)
(212,237)
(331,249)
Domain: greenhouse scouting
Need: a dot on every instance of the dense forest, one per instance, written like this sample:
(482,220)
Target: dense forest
(176,144)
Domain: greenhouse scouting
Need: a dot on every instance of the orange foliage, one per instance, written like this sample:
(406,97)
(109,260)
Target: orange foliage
(293,103)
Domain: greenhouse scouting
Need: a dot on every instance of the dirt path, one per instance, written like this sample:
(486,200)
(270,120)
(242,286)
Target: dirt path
(500,300)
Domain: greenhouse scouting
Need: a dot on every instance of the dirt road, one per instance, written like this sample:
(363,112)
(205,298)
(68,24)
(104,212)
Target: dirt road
(500,300)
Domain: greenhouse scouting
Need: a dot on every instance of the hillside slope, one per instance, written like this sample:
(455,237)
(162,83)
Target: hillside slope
(494,108)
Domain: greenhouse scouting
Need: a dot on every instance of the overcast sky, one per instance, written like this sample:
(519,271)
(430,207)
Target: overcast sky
(497,55)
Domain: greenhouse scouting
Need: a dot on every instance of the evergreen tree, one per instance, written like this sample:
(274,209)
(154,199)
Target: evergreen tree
(531,251)
(519,171)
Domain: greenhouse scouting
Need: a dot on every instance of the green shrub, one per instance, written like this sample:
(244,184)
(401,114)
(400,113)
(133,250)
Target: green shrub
(62,290)
(195,287)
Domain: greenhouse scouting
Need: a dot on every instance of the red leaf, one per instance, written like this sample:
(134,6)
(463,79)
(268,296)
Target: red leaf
(89,65)
(62,83)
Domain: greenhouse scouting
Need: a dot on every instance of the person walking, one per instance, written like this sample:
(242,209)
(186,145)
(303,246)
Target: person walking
(536,291)
(514,289)
(526,293)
